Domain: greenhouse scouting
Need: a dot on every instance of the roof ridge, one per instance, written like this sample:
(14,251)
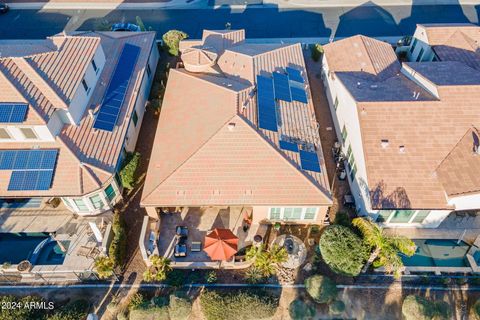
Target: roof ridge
(456,144)
(187,158)
(282,155)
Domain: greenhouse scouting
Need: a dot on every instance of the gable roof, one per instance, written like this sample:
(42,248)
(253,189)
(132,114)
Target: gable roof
(428,128)
(87,158)
(216,153)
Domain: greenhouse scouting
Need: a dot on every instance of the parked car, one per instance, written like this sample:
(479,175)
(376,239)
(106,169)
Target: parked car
(4,7)
(125,27)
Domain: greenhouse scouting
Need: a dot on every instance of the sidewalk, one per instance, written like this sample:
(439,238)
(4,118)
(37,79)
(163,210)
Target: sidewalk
(204,4)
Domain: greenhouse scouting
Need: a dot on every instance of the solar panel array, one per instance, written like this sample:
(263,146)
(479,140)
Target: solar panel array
(32,169)
(299,94)
(282,88)
(13,112)
(295,75)
(267,114)
(286,145)
(309,161)
(117,89)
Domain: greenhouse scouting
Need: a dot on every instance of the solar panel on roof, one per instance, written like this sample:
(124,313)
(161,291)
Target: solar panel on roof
(295,75)
(267,114)
(28,159)
(13,112)
(286,145)
(282,88)
(309,161)
(115,95)
(31,169)
(299,94)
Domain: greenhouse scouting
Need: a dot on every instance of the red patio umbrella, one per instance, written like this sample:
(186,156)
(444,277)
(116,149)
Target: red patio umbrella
(220,244)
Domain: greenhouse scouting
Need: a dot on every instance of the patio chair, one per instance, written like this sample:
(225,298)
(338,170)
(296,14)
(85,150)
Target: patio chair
(196,246)
(180,248)
(181,231)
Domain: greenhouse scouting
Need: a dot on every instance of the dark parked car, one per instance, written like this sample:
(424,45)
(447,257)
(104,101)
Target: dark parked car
(125,27)
(4,7)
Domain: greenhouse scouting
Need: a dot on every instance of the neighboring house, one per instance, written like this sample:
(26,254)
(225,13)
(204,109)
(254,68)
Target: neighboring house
(70,108)
(409,130)
(238,129)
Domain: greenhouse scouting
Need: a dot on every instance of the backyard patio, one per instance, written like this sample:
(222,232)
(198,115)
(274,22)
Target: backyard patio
(200,221)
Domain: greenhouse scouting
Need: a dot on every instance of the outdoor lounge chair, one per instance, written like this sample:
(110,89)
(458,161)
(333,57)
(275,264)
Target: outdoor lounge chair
(181,231)
(196,246)
(180,248)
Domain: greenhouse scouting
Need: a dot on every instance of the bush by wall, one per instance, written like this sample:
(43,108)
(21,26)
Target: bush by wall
(342,250)
(171,41)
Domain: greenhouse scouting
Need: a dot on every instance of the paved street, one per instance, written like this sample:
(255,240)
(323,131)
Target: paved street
(259,22)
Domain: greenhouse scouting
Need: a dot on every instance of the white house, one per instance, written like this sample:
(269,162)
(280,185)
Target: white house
(408,130)
(70,108)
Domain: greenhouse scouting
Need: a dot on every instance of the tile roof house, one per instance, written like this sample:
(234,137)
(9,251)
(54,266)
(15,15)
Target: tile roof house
(218,151)
(410,142)
(68,84)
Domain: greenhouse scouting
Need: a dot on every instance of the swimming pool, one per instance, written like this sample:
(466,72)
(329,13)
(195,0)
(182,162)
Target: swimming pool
(38,248)
(438,253)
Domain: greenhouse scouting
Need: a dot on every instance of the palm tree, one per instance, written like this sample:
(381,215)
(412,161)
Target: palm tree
(158,270)
(386,247)
(267,261)
(104,266)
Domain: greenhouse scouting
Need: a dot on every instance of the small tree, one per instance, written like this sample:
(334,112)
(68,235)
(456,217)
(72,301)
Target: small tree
(386,248)
(104,267)
(158,270)
(336,307)
(300,310)
(127,173)
(316,51)
(342,250)
(266,261)
(321,289)
(171,41)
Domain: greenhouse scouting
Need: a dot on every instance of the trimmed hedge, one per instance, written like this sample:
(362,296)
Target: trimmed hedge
(418,308)
(129,168)
(238,305)
(343,251)
(321,289)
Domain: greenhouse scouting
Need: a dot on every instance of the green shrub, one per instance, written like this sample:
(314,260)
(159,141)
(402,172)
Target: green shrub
(254,275)
(342,250)
(336,307)
(212,276)
(7,313)
(151,313)
(418,308)
(475,311)
(104,267)
(242,305)
(321,289)
(300,310)
(129,168)
(159,269)
(316,51)
(171,41)
(342,218)
(267,260)
(176,278)
(118,247)
(136,301)
(179,308)
(75,310)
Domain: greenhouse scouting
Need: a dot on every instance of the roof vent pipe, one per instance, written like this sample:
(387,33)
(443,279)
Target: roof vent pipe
(231,126)
(385,143)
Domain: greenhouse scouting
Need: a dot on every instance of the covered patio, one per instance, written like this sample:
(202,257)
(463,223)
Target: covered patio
(200,221)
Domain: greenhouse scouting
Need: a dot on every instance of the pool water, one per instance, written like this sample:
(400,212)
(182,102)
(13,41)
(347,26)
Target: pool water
(16,247)
(438,253)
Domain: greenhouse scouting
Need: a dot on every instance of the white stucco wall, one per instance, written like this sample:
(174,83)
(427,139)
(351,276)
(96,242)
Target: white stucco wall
(421,43)
(467,202)
(347,114)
